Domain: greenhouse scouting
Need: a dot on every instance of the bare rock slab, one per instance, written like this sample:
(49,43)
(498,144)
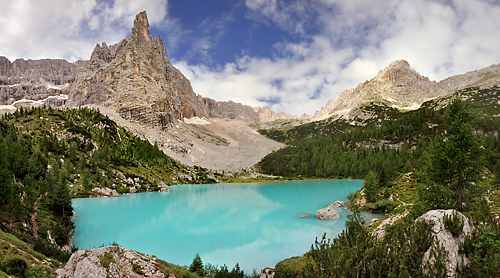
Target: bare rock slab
(444,237)
(124,263)
(327,213)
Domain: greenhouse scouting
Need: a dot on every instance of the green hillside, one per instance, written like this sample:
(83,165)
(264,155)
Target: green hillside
(441,156)
(389,142)
(48,157)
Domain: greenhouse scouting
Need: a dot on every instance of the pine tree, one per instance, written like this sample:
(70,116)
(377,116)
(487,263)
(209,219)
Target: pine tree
(197,266)
(459,160)
(370,186)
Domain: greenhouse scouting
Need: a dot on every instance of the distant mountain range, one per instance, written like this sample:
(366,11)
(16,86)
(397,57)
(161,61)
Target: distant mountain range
(134,82)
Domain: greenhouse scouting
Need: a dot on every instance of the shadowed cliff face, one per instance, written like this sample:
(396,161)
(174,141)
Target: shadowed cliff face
(136,78)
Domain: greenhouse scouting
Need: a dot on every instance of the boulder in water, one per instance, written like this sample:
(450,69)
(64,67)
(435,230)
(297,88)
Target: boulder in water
(327,213)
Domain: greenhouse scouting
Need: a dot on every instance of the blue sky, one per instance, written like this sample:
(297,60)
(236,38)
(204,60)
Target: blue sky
(290,55)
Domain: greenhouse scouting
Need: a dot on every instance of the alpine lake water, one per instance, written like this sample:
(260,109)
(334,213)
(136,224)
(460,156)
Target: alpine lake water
(254,224)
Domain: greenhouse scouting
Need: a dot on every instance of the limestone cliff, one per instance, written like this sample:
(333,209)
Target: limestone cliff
(136,78)
(399,86)
(34,79)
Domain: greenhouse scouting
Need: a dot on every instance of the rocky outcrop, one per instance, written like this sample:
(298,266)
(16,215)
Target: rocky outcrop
(401,87)
(110,261)
(35,80)
(136,78)
(327,213)
(106,191)
(267,273)
(230,110)
(445,238)
(337,204)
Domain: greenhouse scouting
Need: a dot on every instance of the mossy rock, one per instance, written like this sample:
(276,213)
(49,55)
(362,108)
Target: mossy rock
(106,259)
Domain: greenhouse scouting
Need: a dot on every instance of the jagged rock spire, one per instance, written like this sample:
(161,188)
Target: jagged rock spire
(140,31)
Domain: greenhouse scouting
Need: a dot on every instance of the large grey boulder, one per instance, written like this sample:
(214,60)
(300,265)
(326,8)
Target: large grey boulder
(446,239)
(327,213)
(89,263)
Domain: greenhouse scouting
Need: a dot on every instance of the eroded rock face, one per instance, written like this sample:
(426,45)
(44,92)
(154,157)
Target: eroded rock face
(446,239)
(401,87)
(136,78)
(35,80)
(110,261)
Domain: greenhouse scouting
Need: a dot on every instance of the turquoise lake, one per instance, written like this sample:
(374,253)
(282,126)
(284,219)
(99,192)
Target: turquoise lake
(254,224)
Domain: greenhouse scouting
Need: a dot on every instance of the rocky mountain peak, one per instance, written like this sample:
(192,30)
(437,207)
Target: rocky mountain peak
(398,71)
(102,53)
(398,86)
(136,78)
(140,31)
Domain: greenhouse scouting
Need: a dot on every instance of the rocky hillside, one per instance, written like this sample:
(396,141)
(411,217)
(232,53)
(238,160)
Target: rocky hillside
(34,82)
(136,79)
(401,87)
(134,82)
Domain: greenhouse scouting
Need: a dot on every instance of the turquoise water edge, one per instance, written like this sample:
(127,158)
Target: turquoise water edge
(254,224)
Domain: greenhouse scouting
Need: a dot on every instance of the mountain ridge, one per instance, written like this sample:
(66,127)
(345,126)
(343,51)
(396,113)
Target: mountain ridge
(401,87)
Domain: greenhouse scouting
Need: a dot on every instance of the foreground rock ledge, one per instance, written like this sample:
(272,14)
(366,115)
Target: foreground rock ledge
(444,238)
(118,262)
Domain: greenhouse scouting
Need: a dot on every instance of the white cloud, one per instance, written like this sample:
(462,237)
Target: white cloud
(353,40)
(68,28)
(337,44)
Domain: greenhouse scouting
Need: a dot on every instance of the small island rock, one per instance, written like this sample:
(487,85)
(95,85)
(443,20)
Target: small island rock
(327,213)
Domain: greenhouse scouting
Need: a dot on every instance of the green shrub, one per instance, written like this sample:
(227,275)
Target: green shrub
(4,245)
(45,247)
(381,206)
(38,272)
(15,266)
(106,259)
(137,269)
(291,267)
(467,247)
(454,224)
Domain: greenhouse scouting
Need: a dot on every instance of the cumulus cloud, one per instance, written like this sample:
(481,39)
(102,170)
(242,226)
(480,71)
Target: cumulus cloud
(68,28)
(352,41)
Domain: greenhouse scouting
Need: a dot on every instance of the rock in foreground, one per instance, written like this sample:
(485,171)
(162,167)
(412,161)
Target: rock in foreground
(445,238)
(110,261)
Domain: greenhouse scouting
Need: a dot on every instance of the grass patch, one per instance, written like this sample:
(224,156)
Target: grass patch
(38,265)
(106,259)
(180,271)
(137,269)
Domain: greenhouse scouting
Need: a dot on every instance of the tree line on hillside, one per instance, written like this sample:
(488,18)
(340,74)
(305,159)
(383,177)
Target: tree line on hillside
(49,156)
(449,176)
(387,146)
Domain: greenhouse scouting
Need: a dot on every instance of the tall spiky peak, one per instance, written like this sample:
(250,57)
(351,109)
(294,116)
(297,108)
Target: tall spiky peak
(136,78)
(141,26)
